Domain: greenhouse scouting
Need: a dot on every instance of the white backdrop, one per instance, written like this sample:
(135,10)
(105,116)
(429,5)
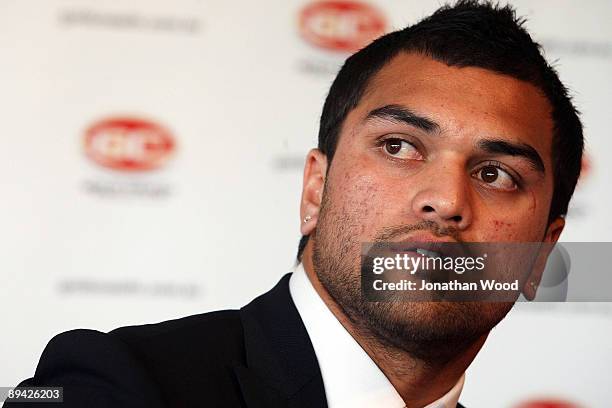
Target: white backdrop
(229,95)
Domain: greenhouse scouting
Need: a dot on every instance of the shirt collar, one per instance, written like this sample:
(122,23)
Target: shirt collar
(350,376)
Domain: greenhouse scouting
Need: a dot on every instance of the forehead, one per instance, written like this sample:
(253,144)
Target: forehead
(467,100)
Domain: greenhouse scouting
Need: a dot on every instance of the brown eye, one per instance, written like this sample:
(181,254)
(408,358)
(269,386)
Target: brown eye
(400,149)
(393,146)
(489,174)
(495,177)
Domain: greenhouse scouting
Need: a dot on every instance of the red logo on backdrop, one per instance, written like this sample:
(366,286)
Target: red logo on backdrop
(341,25)
(128,144)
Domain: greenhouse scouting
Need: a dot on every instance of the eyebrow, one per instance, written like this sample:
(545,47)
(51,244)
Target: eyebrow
(513,149)
(400,114)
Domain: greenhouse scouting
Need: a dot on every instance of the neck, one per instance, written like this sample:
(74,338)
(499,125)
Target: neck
(418,382)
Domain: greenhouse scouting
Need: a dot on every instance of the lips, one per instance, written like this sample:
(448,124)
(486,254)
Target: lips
(433,249)
(428,253)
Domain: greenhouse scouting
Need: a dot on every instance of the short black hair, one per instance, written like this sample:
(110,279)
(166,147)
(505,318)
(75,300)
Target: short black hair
(469,33)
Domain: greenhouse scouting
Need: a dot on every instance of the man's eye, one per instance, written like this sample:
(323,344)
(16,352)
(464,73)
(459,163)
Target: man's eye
(400,149)
(496,178)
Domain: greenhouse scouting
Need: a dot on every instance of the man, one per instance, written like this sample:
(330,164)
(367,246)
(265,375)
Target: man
(452,130)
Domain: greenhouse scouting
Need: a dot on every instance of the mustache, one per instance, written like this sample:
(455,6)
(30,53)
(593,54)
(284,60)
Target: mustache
(389,233)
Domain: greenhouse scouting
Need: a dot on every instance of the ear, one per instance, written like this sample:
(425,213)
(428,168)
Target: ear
(315,169)
(548,243)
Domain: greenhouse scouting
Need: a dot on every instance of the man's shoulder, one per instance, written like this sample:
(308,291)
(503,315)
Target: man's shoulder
(259,354)
(201,341)
(218,329)
(147,363)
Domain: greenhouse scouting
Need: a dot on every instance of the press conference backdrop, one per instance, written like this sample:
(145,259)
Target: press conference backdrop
(151,166)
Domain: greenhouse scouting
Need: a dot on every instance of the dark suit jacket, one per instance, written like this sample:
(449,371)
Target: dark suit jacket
(258,356)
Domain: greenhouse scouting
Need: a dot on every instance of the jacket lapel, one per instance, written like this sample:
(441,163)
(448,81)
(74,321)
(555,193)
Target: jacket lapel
(282,369)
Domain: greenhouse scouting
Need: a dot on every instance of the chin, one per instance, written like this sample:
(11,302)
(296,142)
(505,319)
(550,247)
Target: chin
(432,331)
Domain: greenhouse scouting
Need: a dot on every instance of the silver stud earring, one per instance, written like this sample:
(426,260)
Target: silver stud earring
(307,218)
(533,285)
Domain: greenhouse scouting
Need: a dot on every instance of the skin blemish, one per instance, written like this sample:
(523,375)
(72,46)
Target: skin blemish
(499,225)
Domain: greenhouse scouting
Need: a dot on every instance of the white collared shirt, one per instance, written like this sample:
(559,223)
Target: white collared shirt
(350,376)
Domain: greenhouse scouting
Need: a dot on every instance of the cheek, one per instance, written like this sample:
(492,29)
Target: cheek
(532,203)
(502,230)
(499,225)
(514,230)
(523,221)
(361,201)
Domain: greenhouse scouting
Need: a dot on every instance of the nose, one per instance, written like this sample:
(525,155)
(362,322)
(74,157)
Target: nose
(444,198)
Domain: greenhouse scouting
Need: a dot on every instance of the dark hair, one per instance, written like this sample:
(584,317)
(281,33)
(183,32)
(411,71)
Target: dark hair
(468,33)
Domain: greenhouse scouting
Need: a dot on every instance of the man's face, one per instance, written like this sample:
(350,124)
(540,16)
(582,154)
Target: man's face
(433,152)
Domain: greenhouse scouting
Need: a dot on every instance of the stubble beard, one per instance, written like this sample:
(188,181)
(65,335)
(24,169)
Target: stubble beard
(432,332)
